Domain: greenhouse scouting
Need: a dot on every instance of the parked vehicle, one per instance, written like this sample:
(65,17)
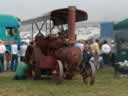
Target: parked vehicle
(9,28)
(121,55)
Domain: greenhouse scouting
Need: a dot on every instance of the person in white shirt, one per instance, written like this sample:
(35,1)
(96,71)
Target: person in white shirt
(2,52)
(23,51)
(14,59)
(106,49)
(113,51)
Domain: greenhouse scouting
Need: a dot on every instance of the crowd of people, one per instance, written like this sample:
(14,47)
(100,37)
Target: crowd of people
(98,50)
(10,55)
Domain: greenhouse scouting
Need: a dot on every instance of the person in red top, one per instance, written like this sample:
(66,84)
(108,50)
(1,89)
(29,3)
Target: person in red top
(7,59)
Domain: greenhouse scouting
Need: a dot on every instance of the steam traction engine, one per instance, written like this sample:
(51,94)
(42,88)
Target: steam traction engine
(55,54)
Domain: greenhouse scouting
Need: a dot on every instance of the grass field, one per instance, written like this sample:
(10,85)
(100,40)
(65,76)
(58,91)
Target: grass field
(106,85)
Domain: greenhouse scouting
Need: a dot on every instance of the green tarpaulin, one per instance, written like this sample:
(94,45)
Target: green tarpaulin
(21,69)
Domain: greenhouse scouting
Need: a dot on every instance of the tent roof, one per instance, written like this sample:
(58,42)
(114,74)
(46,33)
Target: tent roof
(121,25)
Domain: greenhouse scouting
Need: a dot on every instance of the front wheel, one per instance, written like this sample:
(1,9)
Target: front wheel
(60,70)
(58,73)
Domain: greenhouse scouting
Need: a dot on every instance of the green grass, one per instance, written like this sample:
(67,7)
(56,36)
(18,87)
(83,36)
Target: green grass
(106,85)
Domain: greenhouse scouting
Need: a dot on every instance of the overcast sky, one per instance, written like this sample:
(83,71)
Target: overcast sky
(98,10)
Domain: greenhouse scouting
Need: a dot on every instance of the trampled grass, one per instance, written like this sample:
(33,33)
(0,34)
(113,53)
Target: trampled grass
(106,85)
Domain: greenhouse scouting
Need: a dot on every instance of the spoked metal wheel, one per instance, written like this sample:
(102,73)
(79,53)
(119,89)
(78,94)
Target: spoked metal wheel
(59,72)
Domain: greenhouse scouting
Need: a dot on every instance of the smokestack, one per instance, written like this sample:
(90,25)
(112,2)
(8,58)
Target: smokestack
(71,22)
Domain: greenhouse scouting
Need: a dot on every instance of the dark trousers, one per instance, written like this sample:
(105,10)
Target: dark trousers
(113,58)
(1,62)
(14,62)
(22,58)
(106,58)
(85,60)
